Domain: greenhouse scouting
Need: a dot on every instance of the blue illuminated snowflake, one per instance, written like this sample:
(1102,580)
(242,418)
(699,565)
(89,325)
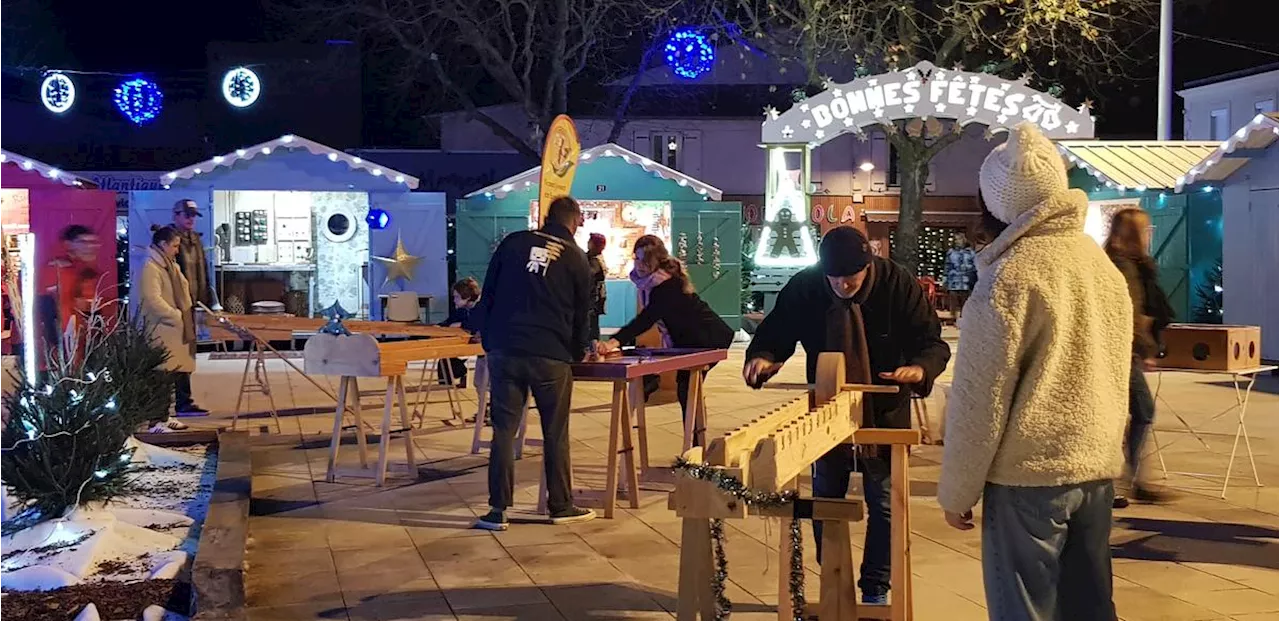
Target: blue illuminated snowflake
(689,53)
(139,100)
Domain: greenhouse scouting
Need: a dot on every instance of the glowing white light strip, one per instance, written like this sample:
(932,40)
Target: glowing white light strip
(27,255)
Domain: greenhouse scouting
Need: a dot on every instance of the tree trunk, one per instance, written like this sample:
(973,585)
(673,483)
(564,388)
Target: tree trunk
(913,171)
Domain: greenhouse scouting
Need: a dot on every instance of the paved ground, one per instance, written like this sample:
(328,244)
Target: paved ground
(352,551)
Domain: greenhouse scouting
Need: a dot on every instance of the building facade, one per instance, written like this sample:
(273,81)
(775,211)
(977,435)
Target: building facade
(1216,107)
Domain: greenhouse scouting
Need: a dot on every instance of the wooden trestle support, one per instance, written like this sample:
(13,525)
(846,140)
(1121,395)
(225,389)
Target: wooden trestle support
(768,454)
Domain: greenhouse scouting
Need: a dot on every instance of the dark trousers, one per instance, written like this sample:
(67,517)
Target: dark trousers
(1142,414)
(511,379)
(593,325)
(182,392)
(682,392)
(457,368)
(831,480)
(1046,553)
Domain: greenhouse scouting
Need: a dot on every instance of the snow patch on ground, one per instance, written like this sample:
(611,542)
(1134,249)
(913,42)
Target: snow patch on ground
(152,532)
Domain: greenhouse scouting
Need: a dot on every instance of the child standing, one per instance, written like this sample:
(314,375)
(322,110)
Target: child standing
(466,293)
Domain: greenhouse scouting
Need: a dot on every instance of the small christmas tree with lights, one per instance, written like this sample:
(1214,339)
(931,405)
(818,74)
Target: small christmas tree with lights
(1209,296)
(67,438)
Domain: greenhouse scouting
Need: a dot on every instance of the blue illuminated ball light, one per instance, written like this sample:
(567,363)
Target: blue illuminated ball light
(139,100)
(689,54)
(377,219)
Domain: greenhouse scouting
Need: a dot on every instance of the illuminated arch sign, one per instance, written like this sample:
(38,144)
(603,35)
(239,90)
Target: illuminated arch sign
(920,92)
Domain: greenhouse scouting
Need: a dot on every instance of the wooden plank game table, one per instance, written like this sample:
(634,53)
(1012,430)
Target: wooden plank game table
(353,356)
(626,374)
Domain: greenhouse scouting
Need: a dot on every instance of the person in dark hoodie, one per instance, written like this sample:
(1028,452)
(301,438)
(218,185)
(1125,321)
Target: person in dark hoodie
(466,293)
(532,319)
(595,247)
(1126,246)
(875,312)
(669,300)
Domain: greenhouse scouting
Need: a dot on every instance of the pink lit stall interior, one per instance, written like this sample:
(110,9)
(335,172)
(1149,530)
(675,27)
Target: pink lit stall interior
(37,204)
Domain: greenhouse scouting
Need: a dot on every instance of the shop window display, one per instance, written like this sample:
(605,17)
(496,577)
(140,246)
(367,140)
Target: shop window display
(621,223)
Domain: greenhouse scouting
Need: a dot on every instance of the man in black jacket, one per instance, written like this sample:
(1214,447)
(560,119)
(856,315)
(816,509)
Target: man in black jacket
(532,317)
(875,312)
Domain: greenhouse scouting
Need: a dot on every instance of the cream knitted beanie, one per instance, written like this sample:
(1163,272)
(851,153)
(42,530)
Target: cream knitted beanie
(1021,173)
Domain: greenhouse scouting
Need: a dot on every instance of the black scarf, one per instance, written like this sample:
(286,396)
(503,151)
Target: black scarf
(847,334)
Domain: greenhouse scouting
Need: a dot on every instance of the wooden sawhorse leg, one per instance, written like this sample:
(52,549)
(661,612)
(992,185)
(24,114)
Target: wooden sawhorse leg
(620,444)
(348,391)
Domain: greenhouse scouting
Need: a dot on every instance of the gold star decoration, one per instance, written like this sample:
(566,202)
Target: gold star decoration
(401,264)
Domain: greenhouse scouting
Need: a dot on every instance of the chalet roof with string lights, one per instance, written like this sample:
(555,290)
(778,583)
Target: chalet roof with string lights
(289,143)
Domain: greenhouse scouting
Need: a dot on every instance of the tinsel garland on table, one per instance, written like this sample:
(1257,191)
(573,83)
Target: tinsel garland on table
(752,498)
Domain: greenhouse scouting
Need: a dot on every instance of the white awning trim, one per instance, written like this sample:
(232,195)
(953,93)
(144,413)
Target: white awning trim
(529,178)
(46,170)
(1258,133)
(289,141)
(1135,165)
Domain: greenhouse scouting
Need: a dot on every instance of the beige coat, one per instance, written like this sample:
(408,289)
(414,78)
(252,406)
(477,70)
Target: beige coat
(160,310)
(1041,390)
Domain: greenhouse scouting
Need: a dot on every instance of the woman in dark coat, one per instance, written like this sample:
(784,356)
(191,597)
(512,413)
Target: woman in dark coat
(1127,245)
(669,301)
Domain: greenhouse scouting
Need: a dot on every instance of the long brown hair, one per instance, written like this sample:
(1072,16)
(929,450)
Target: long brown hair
(1125,238)
(656,257)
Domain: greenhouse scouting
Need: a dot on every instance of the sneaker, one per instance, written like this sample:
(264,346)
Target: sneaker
(875,599)
(493,520)
(168,426)
(1142,493)
(572,515)
(192,410)
(1119,502)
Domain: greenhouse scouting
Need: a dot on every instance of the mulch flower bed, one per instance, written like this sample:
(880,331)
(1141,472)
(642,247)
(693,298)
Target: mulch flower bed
(114,600)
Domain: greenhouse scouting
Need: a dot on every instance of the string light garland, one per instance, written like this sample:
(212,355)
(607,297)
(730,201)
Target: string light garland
(752,498)
(57,92)
(689,53)
(241,87)
(139,100)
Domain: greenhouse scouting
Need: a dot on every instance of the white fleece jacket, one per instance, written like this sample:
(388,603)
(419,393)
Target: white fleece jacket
(1041,390)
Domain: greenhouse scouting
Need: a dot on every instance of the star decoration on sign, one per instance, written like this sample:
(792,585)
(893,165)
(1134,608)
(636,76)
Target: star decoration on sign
(401,264)
(335,313)
(941,107)
(1005,86)
(335,310)
(939,74)
(805,123)
(957,67)
(879,112)
(848,121)
(819,134)
(958,79)
(872,82)
(909,108)
(837,92)
(804,107)
(1072,127)
(1087,105)
(971,110)
(771,112)
(911,74)
(787,132)
(973,79)
(1002,118)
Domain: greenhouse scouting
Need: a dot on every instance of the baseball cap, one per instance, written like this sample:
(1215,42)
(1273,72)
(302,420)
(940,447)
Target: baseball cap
(844,251)
(188,207)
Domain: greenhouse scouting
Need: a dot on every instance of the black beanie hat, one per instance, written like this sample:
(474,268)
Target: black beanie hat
(844,251)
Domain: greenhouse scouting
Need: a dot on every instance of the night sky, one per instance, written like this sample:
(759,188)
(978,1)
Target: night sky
(125,37)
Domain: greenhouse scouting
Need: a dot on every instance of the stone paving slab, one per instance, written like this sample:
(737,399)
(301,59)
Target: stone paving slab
(349,550)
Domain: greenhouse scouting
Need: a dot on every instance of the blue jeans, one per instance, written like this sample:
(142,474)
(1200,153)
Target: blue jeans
(1046,553)
(1142,414)
(831,480)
